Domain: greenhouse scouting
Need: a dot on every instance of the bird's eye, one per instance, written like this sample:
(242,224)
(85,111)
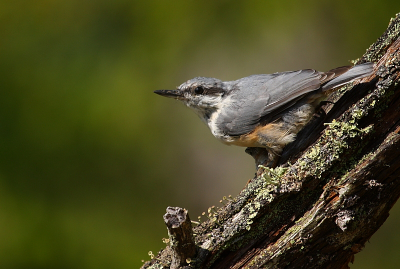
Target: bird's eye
(198,90)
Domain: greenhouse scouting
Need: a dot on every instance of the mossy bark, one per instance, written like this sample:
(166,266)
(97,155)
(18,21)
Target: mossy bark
(332,191)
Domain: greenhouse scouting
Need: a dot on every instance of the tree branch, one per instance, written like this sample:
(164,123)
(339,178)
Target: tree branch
(180,234)
(333,189)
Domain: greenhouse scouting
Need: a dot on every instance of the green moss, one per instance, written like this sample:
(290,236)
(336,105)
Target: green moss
(378,49)
(155,266)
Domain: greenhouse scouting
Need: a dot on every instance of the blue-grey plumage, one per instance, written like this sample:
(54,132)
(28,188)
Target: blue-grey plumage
(263,110)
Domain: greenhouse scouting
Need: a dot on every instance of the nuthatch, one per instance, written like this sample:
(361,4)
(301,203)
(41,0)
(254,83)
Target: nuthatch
(265,111)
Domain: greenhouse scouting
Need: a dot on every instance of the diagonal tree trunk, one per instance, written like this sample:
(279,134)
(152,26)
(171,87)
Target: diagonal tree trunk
(332,191)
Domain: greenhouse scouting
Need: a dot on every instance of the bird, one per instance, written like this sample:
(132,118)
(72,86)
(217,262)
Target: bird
(266,110)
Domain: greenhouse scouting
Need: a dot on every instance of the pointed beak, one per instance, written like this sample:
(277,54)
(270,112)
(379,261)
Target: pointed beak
(176,94)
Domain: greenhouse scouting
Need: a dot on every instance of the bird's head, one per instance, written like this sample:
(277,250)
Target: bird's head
(203,95)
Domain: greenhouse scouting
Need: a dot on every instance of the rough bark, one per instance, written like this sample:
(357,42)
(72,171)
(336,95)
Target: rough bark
(332,191)
(180,236)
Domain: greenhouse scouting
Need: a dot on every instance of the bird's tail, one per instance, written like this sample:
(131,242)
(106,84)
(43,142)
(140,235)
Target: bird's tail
(356,72)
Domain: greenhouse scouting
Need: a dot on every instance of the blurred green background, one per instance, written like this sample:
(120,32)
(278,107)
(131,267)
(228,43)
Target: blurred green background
(90,157)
